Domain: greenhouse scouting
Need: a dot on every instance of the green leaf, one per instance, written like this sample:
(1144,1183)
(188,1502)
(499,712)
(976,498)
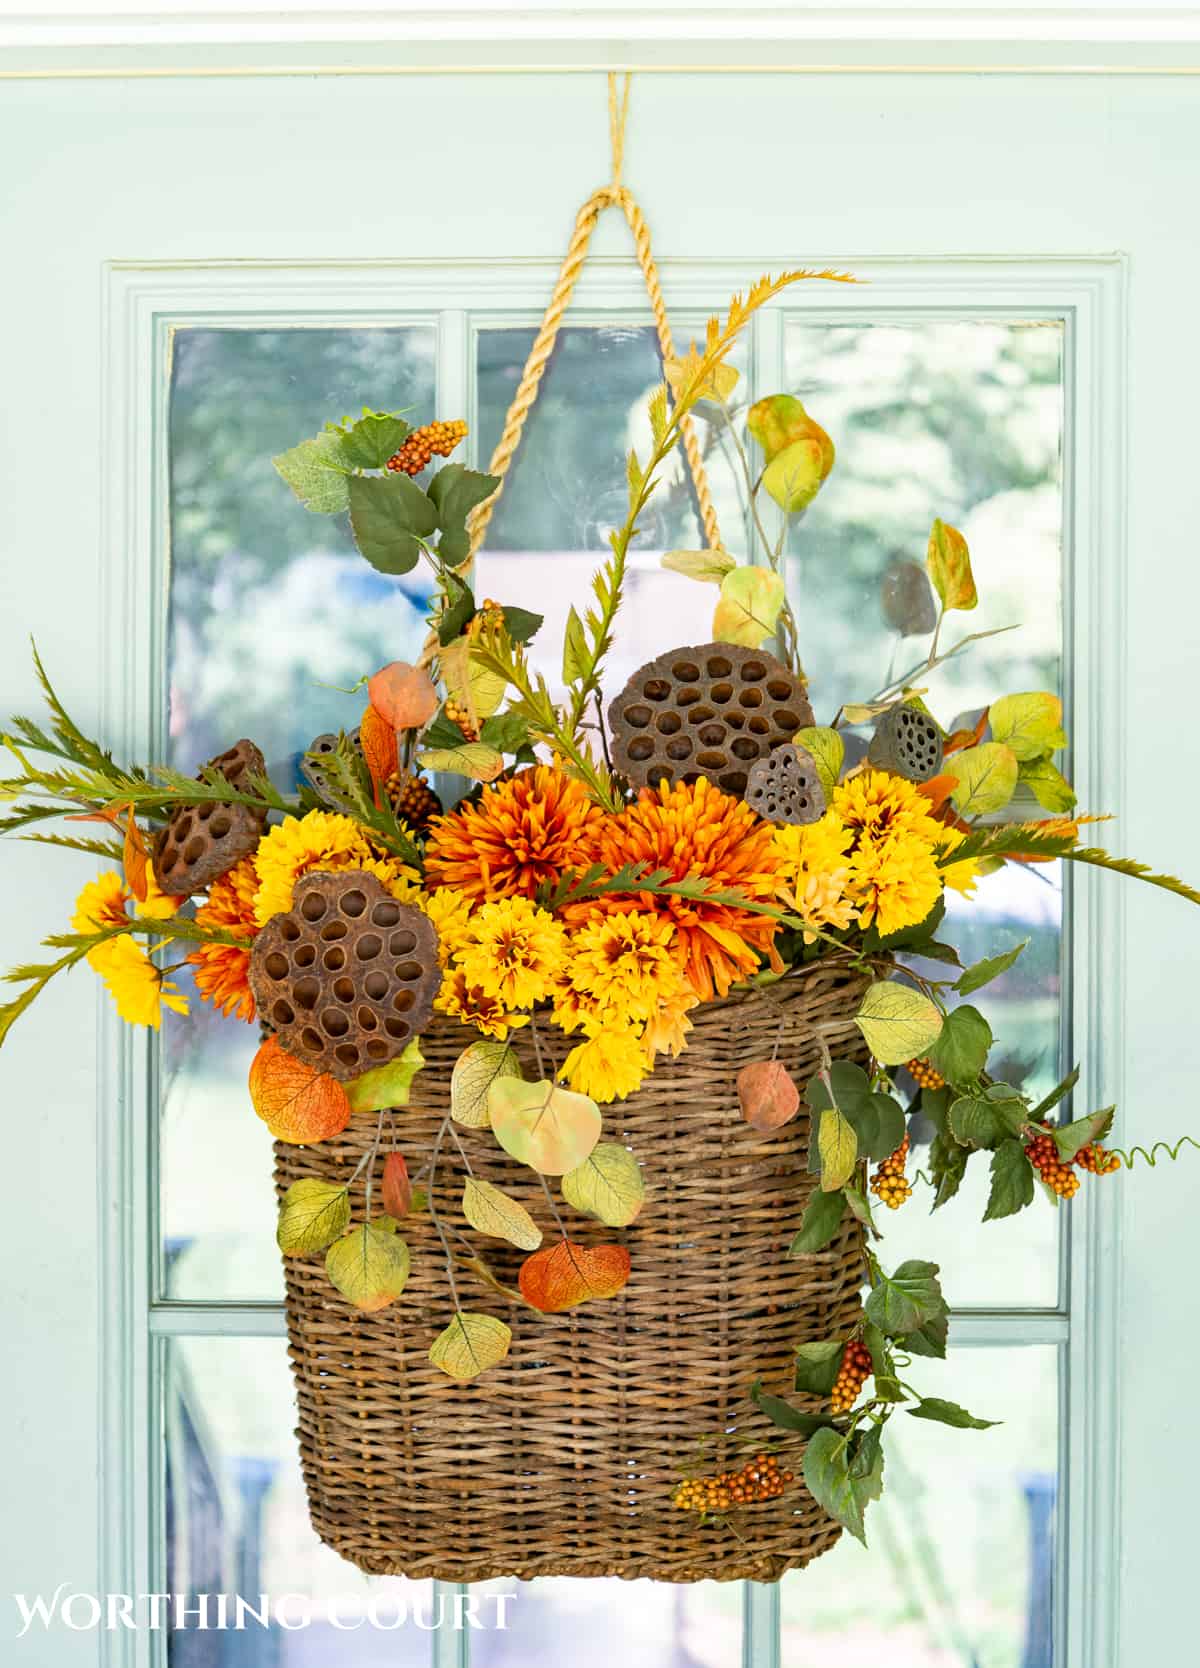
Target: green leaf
(947,1166)
(470,1345)
(982,973)
(317,473)
(1048,785)
(520,624)
(1030,725)
(710,566)
(828,752)
(827,1476)
(454,492)
(948,563)
(985,778)
(470,758)
(575,649)
(902,1302)
(1069,1138)
(459,610)
(838,1147)
(935,1104)
(369,1266)
(866,1460)
(370,442)
(751,600)
(388,1085)
(820,1223)
(507,732)
(607,1185)
(1012,1181)
(949,1413)
(877,1119)
(312,1215)
(476,1069)
(898,1023)
(975,1121)
(929,1339)
(961,1052)
(917,938)
(860,1205)
(388,515)
(817,1366)
(787,1417)
(491,1211)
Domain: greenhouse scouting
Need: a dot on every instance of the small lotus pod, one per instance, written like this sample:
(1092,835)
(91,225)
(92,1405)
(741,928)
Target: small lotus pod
(347,976)
(709,711)
(907,742)
(786,787)
(202,842)
(311,770)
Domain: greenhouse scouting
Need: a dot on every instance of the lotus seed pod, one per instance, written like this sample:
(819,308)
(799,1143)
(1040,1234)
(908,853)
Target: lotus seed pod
(202,842)
(347,976)
(786,786)
(907,742)
(712,711)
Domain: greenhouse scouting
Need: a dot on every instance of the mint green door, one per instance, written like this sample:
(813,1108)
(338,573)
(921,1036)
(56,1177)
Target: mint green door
(203,269)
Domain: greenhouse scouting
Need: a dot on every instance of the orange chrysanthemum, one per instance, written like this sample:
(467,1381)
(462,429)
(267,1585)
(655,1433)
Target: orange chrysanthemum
(696,831)
(518,835)
(222,970)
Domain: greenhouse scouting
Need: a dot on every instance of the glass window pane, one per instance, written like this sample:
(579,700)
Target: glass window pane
(962,419)
(271,608)
(959,1572)
(593,1624)
(567,490)
(237,1524)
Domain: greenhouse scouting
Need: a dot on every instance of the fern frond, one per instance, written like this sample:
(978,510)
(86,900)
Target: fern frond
(1033,839)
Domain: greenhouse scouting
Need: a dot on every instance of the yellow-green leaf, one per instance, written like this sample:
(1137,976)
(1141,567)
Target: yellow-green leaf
(475,1070)
(948,562)
(897,1022)
(985,778)
(386,1085)
(838,1147)
(828,752)
(369,1266)
(608,1184)
(575,649)
(1048,785)
(477,688)
(313,1213)
(470,1345)
(473,759)
(793,477)
(751,599)
(711,566)
(862,712)
(1030,724)
(550,1128)
(492,1212)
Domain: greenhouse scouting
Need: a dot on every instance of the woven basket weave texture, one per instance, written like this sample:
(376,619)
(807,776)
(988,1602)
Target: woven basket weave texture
(562,1460)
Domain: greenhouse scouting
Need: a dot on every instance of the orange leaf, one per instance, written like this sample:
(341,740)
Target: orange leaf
(379,748)
(397,1189)
(403,695)
(136,859)
(296,1102)
(768,1096)
(566,1274)
(967,738)
(937,791)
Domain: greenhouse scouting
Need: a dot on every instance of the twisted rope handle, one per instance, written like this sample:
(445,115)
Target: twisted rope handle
(612,195)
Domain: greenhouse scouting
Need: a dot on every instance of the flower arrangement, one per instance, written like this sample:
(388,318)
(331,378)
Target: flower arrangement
(604,876)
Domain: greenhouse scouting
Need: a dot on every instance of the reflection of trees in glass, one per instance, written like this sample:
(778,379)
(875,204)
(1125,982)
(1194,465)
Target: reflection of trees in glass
(268,601)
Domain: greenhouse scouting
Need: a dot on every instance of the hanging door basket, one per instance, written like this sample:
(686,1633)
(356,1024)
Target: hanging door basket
(565,1463)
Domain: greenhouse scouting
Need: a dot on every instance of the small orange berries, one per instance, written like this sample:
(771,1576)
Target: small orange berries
(853,1373)
(924,1075)
(759,1479)
(889,1182)
(458,714)
(422,444)
(1044,1156)
(490,617)
(1096,1160)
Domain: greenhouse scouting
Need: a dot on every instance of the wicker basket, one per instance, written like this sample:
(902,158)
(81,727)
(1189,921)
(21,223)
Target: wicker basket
(562,1461)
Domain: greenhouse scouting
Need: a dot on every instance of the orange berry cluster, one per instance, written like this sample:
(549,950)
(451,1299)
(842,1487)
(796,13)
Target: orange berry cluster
(1044,1156)
(759,1479)
(853,1373)
(458,714)
(490,616)
(925,1076)
(889,1182)
(438,439)
(1097,1160)
(412,799)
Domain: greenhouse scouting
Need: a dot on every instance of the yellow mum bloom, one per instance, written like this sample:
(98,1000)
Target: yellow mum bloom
(608,1066)
(666,1031)
(875,804)
(513,951)
(101,904)
(462,1000)
(814,868)
(627,963)
(961,877)
(575,1011)
(450,912)
(320,840)
(135,984)
(896,882)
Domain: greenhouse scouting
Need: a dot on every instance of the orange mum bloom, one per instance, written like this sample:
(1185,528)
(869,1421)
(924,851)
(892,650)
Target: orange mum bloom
(696,831)
(222,969)
(518,835)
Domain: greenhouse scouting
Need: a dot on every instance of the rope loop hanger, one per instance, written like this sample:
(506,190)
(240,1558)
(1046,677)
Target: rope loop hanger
(613,195)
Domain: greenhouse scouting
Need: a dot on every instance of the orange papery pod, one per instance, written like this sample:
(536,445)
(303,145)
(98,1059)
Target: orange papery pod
(380,749)
(403,695)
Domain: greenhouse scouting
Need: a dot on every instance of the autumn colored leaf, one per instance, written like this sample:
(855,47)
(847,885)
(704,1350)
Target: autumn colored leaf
(136,859)
(985,778)
(708,566)
(388,1085)
(898,1023)
(550,1128)
(767,1095)
(369,1266)
(403,695)
(476,1069)
(748,611)
(780,421)
(313,1214)
(474,759)
(297,1103)
(948,562)
(567,1274)
(475,687)
(397,1188)
(837,1147)
(937,791)
(958,739)
(379,747)
(793,477)
(470,1345)
(1029,724)
(490,1211)
(608,1184)
(827,750)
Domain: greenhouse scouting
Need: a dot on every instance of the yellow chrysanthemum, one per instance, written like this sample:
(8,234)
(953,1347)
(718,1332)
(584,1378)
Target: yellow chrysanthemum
(627,963)
(896,882)
(814,869)
(875,804)
(462,1000)
(960,877)
(136,985)
(514,951)
(101,904)
(666,1031)
(574,1010)
(450,913)
(608,1066)
(319,840)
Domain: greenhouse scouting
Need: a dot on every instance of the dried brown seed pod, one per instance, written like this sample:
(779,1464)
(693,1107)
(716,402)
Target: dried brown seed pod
(202,842)
(310,767)
(713,711)
(786,787)
(907,742)
(347,976)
